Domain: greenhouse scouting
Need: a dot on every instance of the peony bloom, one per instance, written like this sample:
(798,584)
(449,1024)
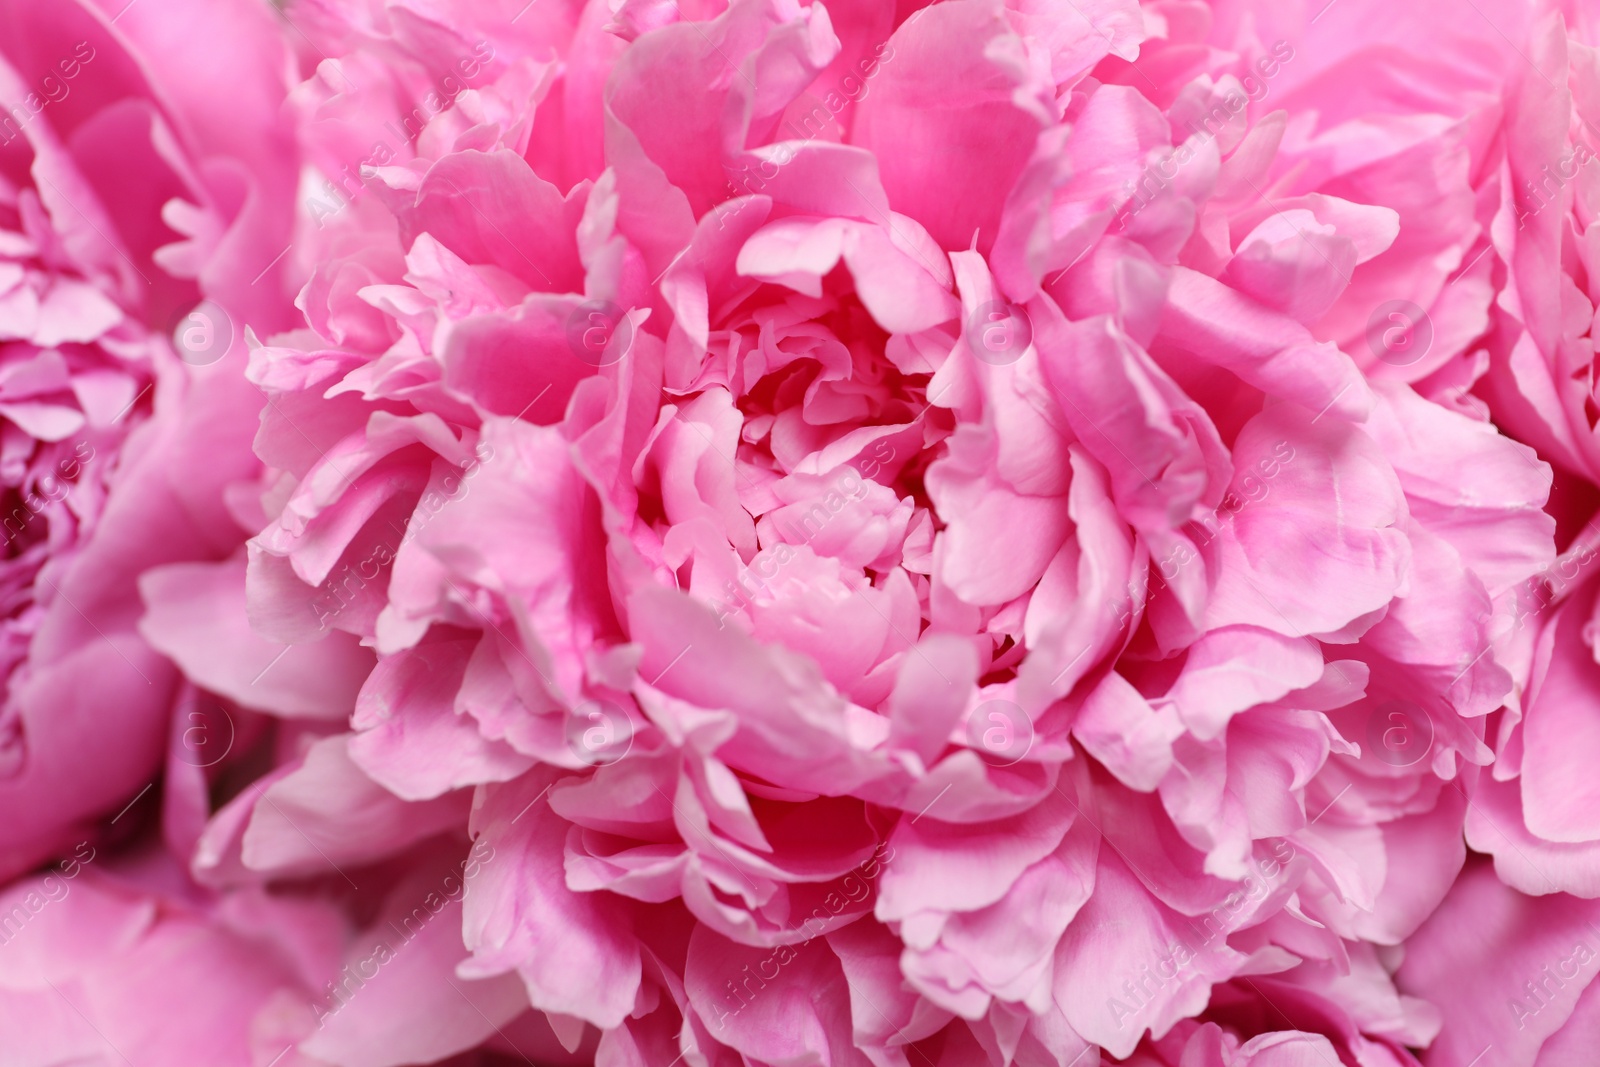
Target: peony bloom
(130,190)
(860,535)
(104,948)
(104,962)
(1533,812)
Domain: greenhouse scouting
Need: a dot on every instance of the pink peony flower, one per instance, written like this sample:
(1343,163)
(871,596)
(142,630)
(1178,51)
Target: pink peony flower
(98,967)
(765,532)
(858,535)
(130,189)
(103,949)
(1533,812)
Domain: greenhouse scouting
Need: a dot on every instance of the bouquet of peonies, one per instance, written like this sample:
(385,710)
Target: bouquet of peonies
(762,533)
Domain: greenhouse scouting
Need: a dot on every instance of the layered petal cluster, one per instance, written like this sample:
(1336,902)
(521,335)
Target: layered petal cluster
(1535,814)
(827,534)
(900,533)
(1522,981)
(113,955)
(130,191)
